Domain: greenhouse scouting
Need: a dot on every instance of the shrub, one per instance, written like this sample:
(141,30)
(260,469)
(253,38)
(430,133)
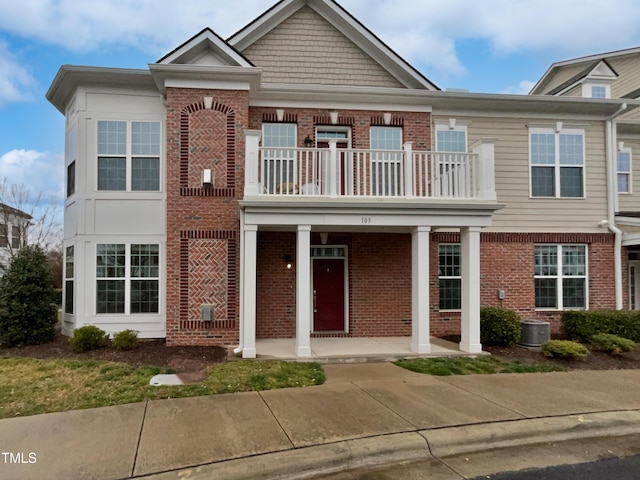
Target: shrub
(612,343)
(564,349)
(28,313)
(125,340)
(499,326)
(88,338)
(583,325)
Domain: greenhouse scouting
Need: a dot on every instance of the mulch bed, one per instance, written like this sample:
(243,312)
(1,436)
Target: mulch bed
(190,362)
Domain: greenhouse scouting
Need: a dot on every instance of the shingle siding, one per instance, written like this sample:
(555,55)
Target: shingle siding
(306,49)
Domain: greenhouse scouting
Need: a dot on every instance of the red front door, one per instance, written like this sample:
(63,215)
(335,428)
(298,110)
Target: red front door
(328,295)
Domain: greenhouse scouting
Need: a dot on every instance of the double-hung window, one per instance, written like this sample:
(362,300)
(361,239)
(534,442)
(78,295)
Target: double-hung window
(71,178)
(557,163)
(127,278)
(386,161)
(624,170)
(69,263)
(16,237)
(450,277)
(560,276)
(128,156)
(278,165)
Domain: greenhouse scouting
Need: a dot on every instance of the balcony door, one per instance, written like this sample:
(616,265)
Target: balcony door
(342,137)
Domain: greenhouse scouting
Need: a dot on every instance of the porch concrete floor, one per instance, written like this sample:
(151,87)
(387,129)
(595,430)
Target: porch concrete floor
(353,350)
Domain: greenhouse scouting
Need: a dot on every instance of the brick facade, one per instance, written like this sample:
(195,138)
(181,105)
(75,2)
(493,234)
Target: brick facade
(203,222)
(380,280)
(203,236)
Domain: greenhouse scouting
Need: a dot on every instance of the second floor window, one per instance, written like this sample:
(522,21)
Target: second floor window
(71,179)
(128,156)
(557,163)
(624,171)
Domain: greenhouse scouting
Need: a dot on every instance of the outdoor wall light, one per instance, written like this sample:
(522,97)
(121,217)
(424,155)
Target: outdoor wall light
(288,260)
(308,142)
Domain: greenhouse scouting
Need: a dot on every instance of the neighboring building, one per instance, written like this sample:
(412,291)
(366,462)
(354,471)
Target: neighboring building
(300,179)
(612,75)
(14,227)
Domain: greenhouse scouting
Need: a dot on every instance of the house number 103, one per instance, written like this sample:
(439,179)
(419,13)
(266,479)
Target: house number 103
(366,220)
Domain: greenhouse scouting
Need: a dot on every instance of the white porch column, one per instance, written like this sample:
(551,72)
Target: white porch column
(485,168)
(251,162)
(420,342)
(470,252)
(303,292)
(249,296)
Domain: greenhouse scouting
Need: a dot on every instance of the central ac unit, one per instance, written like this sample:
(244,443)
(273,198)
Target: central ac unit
(534,333)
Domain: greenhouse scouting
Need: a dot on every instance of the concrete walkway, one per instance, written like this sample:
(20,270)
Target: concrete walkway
(366,414)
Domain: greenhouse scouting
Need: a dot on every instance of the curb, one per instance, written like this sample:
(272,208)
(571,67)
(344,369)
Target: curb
(305,462)
(452,441)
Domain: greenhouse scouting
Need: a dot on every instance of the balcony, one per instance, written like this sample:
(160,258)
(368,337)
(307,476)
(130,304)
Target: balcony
(348,174)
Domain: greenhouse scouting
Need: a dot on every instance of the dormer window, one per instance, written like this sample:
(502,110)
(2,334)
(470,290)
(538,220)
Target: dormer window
(598,91)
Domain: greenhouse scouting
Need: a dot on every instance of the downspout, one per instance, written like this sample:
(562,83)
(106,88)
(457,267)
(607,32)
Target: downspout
(238,349)
(612,201)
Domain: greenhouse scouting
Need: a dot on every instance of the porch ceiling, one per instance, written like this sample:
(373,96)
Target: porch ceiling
(341,216)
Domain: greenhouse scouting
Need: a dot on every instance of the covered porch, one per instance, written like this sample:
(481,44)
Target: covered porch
(382,221)
(354,350)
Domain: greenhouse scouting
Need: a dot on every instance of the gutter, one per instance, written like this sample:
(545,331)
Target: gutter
(612,202)
(239,348)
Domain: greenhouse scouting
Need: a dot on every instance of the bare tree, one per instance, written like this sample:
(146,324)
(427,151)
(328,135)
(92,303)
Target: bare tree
(28,218)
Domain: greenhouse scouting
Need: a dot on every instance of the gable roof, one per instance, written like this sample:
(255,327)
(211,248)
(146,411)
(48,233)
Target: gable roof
(589,60)
(346,24)
(205,47)
(600,69)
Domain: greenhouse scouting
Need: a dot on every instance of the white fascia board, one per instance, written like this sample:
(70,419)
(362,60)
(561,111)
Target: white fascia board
(70,77)
(205,75)
(206,84)
(629,221)
(207,39)
(630,239)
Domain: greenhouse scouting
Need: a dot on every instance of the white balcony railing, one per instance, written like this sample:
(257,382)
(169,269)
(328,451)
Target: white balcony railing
(332,172)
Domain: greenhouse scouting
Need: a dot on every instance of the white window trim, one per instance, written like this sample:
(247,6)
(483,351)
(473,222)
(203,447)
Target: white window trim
(127,281)
(559,277)
(329,128)
(451,125)
(455,277)
(630,172)
(129,157)
(587,89)
(276,183)
(557,132)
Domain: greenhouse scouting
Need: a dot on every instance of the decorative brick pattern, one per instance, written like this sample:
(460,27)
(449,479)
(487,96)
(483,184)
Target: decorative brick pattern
(208,276)
(207,140)
(272,117)
(200,219)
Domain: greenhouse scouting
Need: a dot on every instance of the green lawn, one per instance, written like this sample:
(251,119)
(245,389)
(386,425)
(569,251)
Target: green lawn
(30,386)
(468,366)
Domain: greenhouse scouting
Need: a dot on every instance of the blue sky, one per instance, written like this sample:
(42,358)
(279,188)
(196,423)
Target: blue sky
(490,46)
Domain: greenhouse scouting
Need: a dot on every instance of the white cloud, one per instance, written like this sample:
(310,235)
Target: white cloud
(39,172)
(15,81)
(428,32)
(523,88)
